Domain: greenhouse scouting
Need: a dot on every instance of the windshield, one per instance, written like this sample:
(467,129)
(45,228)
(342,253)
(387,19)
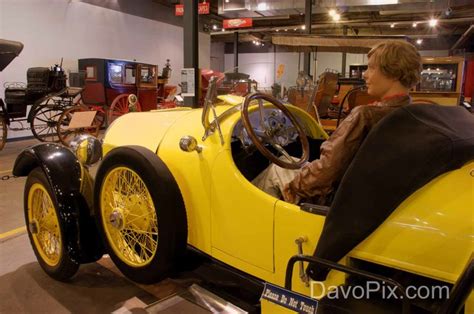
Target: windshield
(285,84)
(264,77)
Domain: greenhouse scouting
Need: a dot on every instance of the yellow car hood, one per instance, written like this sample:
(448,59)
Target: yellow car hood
(145,129)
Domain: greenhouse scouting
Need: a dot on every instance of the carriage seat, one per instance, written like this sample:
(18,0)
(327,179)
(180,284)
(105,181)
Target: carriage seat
(15,98)
(37,83)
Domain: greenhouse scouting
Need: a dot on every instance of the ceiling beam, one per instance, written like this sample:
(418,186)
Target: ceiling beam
(463,37)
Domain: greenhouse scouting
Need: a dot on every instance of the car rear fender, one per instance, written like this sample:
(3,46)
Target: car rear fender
(66,176)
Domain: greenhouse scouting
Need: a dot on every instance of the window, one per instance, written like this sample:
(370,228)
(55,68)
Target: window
(129,75)
(115,73)
(147,74)
(91,72)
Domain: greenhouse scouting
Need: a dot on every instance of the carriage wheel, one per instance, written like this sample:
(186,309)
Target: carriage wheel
(66,134)
(3,132)
(122,104)
(44,123)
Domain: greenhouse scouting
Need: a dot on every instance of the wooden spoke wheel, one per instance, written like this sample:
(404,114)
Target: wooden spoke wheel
(269,134)
(121,105)
(66,134)
(44,123)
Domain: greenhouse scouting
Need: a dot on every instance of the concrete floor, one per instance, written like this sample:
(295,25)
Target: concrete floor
(97,287)
(25,288)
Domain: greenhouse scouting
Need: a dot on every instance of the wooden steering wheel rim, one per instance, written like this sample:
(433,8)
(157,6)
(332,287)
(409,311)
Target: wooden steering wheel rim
(267,153)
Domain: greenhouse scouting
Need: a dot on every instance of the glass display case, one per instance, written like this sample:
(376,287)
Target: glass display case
(357,70)
(441,80)
(438,78)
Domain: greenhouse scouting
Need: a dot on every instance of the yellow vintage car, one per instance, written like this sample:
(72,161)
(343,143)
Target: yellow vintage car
(403,213)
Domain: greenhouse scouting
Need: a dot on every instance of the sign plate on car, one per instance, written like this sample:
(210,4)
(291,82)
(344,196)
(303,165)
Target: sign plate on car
(289,299)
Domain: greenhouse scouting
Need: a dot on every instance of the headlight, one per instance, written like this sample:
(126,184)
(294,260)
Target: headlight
(87,148)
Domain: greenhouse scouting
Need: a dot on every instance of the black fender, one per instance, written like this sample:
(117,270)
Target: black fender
(64,173)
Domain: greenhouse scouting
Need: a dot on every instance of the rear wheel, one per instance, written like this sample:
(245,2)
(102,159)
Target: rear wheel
(45,122)
(3,132)
(121,105)
(44,228)
(66,134)
(140,213)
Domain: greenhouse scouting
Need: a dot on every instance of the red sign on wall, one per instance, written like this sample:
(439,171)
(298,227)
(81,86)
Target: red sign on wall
(237,23)
(179,10)
(203,8)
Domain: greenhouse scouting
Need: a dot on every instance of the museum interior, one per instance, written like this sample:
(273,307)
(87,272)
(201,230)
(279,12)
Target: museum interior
(236,156)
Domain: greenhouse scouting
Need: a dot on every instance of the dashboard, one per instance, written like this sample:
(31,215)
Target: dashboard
(272,125)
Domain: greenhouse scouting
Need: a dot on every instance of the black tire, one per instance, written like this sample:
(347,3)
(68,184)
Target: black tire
(65,267)
(168,218)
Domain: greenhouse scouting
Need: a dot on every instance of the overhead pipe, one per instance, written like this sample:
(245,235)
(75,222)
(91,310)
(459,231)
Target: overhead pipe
(463,37)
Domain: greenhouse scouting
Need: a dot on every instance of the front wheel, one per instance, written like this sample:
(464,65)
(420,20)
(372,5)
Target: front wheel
(140,213)
(3,132)
(44,228)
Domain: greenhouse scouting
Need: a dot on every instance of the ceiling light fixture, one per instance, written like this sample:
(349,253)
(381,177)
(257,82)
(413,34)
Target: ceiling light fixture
(433,22)
(262,6)
(214,27)
(303,27)
(332,12)
(419,41)
(336,17)
(392,25)
(415,24)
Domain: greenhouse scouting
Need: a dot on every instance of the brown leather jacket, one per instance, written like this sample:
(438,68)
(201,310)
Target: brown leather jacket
(318,177)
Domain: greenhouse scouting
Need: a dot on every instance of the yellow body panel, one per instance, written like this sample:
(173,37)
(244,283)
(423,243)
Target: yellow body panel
(141,128)
(430,234)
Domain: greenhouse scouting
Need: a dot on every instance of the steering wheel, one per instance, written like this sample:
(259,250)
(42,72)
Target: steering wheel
(267,133)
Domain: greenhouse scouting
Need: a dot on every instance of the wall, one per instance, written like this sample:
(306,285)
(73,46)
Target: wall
(217,56)
(264,64)
(51,29)
(262,67)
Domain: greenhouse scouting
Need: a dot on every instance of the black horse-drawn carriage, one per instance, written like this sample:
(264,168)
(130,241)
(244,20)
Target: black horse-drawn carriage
(45,91)
(108,87)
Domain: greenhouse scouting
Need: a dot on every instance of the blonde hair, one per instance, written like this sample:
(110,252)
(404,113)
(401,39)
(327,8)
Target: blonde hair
(399,60)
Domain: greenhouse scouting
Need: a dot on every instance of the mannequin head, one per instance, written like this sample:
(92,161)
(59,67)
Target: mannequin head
(393,68)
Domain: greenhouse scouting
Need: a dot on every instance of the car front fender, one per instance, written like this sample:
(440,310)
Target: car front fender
(65,175)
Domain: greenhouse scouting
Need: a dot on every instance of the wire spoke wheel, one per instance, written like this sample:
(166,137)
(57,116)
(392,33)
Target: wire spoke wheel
(45,224)
(121,106)
(45,227)
(66,134)
(3,132)
(129,217)
(140,213)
